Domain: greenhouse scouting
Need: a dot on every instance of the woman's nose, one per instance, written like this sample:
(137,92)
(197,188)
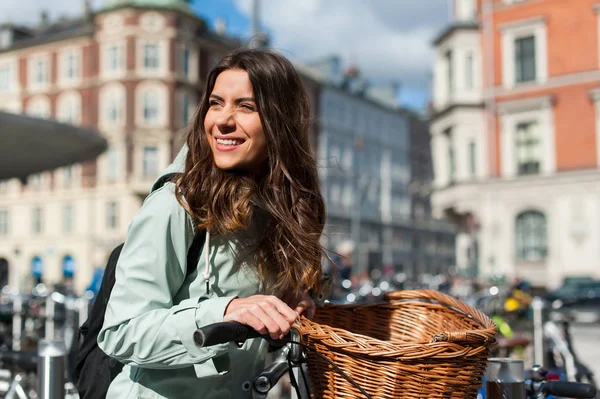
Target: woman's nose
(225,122)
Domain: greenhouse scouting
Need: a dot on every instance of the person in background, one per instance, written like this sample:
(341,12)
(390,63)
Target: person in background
(250,185)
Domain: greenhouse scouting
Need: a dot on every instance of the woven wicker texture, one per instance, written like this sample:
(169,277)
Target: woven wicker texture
(416,344)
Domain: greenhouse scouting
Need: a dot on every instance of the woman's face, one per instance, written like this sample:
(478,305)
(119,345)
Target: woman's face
(232,123)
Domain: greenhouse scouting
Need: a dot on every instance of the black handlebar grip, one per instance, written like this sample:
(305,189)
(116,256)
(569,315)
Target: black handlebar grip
(567,389)
(221,333)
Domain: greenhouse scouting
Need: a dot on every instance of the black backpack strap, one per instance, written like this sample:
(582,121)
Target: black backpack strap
(193,255)
(169,177)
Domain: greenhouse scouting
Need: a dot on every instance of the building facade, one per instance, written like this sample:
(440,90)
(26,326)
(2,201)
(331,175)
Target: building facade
(515,132)
(366,148)
(134,71)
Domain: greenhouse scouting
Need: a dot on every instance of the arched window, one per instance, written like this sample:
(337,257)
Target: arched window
(68,266)
(531,236)
(39,107)
(69,108)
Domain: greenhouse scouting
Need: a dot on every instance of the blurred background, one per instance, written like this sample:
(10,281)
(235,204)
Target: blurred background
(458,141)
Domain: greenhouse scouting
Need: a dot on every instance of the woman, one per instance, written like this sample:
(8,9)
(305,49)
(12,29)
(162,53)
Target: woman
(250,182)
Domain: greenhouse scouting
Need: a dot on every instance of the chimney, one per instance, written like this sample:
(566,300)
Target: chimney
(87,8)
(44,18)
(220,26)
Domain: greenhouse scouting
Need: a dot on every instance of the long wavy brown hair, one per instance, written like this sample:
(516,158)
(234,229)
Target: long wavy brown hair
(289,253)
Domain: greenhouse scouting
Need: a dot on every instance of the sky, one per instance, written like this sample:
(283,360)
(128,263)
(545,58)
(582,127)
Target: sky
(388,40)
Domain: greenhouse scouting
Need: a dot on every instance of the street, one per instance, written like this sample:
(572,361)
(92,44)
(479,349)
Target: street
(585,340)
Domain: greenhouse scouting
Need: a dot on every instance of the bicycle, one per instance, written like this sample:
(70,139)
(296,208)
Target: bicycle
(292,356)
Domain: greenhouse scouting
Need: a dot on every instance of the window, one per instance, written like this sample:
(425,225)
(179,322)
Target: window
(151,56)
(112,215)
(40,72)
(531,236)
(450,72)
(34,180)
(68,175)
(4,77)
(150,161)
(113,58)
(39,107)
(527,148)
(3,222)
(525,59)
(334,195)
(67,220)
(452,162)
(185,62)
(469,70)
(69,107)
(113,109)
(473,158)
(112,104)
(185,109)
(112,163)
(150,107)
(71,67)
(36,220)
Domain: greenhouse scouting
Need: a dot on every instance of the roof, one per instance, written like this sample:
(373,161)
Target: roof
(454,27)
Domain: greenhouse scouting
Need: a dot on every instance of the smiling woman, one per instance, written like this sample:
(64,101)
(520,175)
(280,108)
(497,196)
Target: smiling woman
(249,189)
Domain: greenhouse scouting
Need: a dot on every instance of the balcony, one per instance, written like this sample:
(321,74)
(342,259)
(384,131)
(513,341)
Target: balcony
(456,199)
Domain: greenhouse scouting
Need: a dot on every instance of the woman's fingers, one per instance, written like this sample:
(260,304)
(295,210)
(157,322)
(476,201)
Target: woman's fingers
(265,314)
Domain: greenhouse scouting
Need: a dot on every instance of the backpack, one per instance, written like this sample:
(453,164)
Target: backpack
(94,369)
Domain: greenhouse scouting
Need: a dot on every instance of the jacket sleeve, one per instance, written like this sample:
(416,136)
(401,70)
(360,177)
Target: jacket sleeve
(142,325)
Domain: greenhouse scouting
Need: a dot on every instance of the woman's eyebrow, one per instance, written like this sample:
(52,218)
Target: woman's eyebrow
(237,100)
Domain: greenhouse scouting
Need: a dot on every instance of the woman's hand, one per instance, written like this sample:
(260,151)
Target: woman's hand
(303,305)
(264,313)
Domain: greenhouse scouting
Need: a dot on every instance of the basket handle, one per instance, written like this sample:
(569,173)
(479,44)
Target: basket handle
(486,335)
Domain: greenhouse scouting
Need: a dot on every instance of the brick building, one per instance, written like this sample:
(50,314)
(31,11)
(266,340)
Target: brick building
(515,132)
(133,70)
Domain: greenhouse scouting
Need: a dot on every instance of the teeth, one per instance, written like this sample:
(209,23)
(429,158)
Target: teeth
(229,142)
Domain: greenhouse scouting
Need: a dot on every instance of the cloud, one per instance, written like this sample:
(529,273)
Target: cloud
(389,40)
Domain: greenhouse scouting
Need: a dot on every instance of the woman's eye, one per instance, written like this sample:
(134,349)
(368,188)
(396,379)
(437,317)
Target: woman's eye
(248,107)
(212,103)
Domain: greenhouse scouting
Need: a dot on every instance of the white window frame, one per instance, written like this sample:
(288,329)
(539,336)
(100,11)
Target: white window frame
(512,113)
(33,62)
(67,218)
(162,57)
(5,72)
(109,94)
(112,215)
(74,54)
(150,166)
(112,162)
(4,222)
(68,107)
(105,60)
(37,220)
(512,31)
(161,94)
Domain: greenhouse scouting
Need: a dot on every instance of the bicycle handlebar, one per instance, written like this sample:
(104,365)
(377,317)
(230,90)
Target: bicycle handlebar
(231,331)
(567,389)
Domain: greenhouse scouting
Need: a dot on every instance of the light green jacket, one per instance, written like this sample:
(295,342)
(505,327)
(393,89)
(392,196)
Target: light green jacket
(154,309)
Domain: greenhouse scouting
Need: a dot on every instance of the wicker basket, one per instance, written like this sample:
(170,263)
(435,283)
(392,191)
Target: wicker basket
(416,344)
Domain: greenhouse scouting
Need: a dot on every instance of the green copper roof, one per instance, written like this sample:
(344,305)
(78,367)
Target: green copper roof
(179,5)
